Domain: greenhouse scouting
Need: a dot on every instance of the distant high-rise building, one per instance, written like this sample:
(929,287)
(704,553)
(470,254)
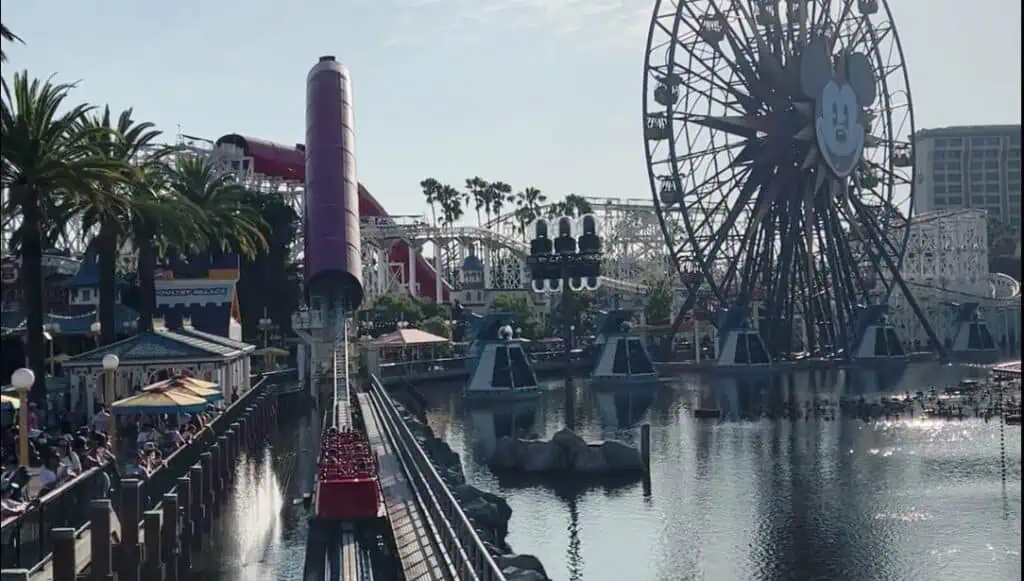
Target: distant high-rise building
(974,166)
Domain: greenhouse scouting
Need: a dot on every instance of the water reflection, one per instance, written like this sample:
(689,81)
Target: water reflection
(491,421)
(746,497)
(262,532)
(624,407)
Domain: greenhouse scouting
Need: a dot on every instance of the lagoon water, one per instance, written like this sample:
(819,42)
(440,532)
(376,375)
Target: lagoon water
(731,500)
(763,500)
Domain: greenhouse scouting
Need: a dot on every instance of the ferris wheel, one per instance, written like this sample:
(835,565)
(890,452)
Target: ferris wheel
(778,141)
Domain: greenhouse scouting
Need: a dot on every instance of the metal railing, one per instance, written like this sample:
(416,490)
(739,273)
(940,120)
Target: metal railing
(467,552)
(25,539)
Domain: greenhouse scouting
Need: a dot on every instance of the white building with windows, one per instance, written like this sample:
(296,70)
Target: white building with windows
(973,166)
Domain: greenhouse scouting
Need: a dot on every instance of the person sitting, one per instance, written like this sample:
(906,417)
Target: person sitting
(9,506)
(51,475)
(69,459)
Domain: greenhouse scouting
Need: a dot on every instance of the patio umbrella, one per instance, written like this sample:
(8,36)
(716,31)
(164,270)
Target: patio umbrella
(188,388)
(186,380)
(159,401)
(9,403)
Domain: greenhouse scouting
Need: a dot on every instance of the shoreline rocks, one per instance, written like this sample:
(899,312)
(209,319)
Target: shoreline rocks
(489,513)
(566,452)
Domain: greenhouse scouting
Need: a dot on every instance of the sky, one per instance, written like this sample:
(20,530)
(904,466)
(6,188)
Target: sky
(542,93)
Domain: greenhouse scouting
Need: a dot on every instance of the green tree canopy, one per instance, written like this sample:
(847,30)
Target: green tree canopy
(523,317)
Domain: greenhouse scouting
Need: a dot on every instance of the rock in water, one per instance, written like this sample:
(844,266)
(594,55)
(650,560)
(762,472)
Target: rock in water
(621,458)
(541,456)
(523,563)
(508,453)
(514,574)
(590,459)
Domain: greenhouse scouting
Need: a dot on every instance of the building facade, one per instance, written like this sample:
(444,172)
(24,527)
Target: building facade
(973,166)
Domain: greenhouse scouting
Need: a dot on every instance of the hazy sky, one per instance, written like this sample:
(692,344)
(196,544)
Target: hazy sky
(543,93)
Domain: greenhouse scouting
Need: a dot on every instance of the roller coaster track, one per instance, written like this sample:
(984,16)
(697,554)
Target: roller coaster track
(419,233)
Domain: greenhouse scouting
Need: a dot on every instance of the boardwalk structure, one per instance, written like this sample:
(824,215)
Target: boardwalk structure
(1012,369)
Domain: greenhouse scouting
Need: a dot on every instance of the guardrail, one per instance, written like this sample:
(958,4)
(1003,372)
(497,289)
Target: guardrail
(25,539)
(468,554)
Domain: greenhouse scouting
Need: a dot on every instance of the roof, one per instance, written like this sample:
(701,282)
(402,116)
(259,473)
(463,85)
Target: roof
(156,346)
(78,324)
(472,263)
(409,338)
(225,341)
(970,131)
(87,276)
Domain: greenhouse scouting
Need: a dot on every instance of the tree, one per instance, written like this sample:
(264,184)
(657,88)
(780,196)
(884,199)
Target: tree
(497,194)
(229,223)
(270,282)
(579,309)
(528,206)
(431,192)
(521,313)
(450,199)
(573,205)
(46,155)
(7,36)
(121,143)
(658,310)
(395,308)
(477,188)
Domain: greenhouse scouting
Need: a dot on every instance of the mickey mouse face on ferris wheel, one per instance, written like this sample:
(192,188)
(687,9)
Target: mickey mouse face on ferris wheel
(840,94)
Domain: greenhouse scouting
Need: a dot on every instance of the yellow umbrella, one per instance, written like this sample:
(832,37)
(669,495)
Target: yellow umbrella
(186,387)
(159,401)
(184,380)
(190,386)
(9,402)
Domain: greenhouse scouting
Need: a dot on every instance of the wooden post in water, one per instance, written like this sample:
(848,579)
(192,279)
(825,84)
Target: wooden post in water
(645,456)
(172,532)
(209,499)
(154,568)
(188,528)
(198,510)
(129,513)
(223,461)
(64,554)
(99,536)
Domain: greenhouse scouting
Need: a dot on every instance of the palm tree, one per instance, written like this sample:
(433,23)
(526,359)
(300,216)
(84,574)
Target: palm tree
(577,205)
(477,189)
(228,223)
(123,143)
(46,154)
(497,194)
(7,36)
(528,206)
(450,200)
(161,218)
(431,189)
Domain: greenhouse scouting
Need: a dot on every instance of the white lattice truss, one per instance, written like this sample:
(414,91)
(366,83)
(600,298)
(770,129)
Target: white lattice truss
(946,264)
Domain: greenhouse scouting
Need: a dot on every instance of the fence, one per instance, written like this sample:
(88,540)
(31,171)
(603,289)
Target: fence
(25,540)
(455,532)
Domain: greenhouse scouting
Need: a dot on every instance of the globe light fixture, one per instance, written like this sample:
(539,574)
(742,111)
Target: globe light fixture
(110,362)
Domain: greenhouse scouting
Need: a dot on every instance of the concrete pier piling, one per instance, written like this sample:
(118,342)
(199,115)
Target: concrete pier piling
(100,542)
(153,567)
(129,549)
(64,554)
(170,547)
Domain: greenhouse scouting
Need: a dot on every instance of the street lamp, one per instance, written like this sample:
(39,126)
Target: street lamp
(265,326)
(22,380)
(94,330)
(50,331)
(110,363)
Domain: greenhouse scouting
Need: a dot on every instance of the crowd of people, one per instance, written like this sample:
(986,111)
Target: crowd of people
(59,451)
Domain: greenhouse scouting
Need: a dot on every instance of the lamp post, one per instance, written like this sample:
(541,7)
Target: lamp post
(265,326)
(50,331)
(94,331)
(22,380)
(110,363)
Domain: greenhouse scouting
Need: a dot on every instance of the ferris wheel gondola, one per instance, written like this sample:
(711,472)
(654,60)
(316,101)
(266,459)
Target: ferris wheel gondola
(778,141)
